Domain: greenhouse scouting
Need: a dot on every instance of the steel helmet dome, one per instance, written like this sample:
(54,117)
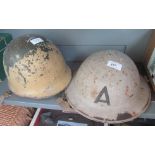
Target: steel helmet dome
(35,67)
(108,88)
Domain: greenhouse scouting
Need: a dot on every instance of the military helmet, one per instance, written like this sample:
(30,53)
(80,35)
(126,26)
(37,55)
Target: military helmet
(108,88)
(35,67)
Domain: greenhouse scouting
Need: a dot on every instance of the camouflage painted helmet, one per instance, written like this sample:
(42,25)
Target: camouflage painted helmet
(35,67)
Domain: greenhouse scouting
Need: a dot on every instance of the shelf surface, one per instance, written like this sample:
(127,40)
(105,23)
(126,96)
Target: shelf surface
(49,103)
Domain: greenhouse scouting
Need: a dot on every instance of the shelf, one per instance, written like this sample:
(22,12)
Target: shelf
(49,103)
(52,103)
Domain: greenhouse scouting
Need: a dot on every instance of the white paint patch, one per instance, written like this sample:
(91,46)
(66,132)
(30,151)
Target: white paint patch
(36,41)
(114,65)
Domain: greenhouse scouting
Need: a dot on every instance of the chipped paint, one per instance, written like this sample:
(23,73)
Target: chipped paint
(93,93)
(127,91)
(123,116)
(40,71)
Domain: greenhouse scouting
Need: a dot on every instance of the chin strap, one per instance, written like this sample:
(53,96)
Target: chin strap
(63,102)
(5,95)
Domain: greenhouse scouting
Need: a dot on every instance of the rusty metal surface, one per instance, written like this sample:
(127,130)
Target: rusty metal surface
(105,94)
(35,70)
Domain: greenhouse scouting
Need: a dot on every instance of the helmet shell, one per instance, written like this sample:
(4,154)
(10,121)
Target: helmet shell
(108,88)
(35,67)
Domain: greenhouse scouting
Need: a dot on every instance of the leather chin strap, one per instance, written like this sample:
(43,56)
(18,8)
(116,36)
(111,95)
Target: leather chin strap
(63,102)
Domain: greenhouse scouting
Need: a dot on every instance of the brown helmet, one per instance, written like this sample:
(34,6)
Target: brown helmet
(107,88)
(35,67)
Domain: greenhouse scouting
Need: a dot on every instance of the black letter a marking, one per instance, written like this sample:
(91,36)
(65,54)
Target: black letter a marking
(98,98)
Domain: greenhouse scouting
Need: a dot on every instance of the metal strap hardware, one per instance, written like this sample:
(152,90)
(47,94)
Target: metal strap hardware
(5,95)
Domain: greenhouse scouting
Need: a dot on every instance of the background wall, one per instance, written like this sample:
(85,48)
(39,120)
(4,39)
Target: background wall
(78,44)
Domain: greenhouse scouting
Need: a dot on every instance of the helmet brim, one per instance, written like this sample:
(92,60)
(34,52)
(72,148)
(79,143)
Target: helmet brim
(137,104)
